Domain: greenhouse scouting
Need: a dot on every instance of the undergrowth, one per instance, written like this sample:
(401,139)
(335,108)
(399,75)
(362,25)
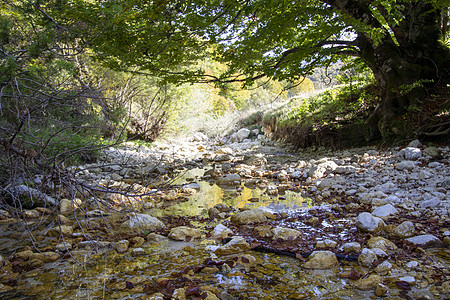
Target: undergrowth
(333,118)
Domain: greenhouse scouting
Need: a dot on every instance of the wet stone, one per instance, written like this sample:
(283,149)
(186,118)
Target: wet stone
(321,260)
(249,216)
(368,283)
(236,245)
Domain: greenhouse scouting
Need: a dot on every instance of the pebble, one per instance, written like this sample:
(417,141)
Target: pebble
(407,184)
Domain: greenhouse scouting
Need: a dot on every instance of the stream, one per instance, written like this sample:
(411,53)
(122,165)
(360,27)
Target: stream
(105,262)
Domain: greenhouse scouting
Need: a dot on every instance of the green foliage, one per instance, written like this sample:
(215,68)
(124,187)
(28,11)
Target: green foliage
(330,107)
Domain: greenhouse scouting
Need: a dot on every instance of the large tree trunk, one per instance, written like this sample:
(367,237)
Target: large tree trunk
(405,69)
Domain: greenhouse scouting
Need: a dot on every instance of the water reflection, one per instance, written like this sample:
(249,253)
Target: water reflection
(237,197)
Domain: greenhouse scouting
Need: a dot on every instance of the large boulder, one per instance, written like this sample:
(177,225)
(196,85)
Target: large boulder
(368,223)
(321,260)
(412,153)
(249,216)
(141,222)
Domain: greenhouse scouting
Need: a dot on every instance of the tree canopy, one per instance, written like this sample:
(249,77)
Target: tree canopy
(401,41)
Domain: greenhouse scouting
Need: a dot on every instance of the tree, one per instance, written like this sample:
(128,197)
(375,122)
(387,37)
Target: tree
(399,40)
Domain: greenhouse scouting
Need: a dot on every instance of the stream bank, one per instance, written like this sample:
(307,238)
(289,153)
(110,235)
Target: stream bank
(180,222)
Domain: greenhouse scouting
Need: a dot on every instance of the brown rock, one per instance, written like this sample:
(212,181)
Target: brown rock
(368,283)
(321,260)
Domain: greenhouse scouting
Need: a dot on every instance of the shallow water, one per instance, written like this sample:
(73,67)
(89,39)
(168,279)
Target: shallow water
(168,265)
(237,197)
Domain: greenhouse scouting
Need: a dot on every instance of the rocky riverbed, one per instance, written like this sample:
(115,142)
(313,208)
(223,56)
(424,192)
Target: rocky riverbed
(239,219)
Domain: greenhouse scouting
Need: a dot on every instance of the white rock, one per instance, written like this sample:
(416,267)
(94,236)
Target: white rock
(393,199)
(296,175)
(383,268)
(317,171)
(426,241)
(385,211)
(406,165)
(412,264)
(432,203)
(141,222)
(199,137)
(367,257)
(221,231)
(138,252)
(412,153)
(408,279)
(240,135)
(367,222)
